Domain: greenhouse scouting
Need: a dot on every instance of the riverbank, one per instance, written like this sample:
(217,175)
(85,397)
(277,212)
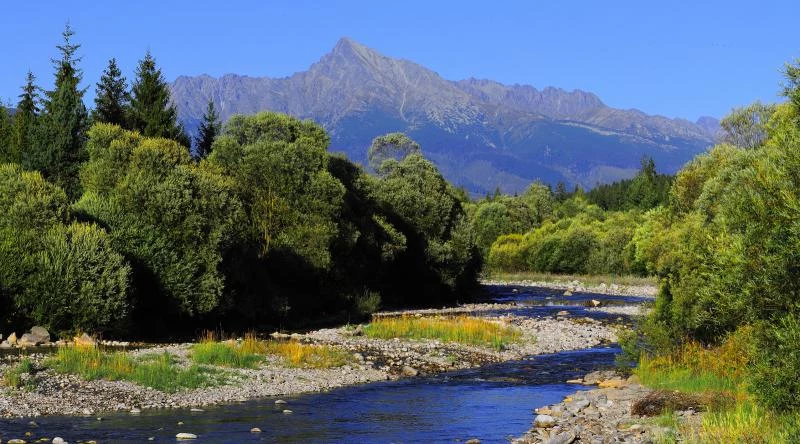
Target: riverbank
(43,391)
(608,285)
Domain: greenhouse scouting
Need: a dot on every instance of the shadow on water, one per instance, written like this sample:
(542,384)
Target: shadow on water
(492,403)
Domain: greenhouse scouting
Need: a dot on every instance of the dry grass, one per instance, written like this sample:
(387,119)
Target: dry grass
(250,351)
(460,329)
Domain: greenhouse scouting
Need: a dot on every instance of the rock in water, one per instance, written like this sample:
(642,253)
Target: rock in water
(41,334)
(595,303)
(567,293)
(280,401)
(185,436)
(544,421)
(58,440)
(255,430)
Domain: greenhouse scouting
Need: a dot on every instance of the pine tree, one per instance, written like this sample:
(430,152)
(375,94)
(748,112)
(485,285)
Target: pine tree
(151,112)
(208,131)
(25,119)
(112,99)
(58,145)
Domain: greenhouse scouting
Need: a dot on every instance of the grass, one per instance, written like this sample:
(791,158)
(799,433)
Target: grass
(250,352)
(15,377)
(592,280)
(156,371)
(461,329)
(714,374)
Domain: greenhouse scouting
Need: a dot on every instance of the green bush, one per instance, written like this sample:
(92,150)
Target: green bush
(776,364)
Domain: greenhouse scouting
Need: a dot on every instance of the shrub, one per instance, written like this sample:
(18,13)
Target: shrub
(776,364)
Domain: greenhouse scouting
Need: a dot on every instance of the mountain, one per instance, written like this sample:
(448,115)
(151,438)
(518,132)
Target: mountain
(482,134)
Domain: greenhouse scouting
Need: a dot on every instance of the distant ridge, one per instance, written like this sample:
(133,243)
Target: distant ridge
(481,133)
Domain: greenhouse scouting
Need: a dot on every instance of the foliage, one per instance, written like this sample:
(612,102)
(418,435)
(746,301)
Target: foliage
(747,127)
(224,354)
(151,112)
(462,329)
(208,131)
(112,99)
(645,191)
(19,375)
(7,151)
(25,120)
(395,146)
(160,373)
(57,145)
(776,363)
(172,218)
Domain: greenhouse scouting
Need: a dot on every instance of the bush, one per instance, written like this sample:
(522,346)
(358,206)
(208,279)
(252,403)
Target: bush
(776,364)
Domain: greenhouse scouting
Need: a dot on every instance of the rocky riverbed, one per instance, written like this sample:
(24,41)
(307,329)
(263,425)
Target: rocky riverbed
(372,360)
(610,413)
(579,287)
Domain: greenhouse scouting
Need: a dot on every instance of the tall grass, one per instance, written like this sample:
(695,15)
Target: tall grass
(249,353)
(461,329)
(715,372)
(159,372)
(15,376)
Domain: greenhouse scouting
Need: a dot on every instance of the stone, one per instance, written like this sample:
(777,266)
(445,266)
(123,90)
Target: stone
(561,438)
(28,340)
(196,410)
(612,383)
(575,381)
(12,338)
(562,313)
(58,440)
(185,436)
(85,340)
(473,441)
(567,293)
(135,411)
(16,441)
(280,401)
(544,421)
(5,344)
(280,336)
(41,334)
(287,412)
(255,430)
(409,371)
(595,303)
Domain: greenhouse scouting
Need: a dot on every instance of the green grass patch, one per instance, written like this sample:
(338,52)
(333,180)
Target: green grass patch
(19,375)
(159,372)
(589,280)
(225,354)
(461,329)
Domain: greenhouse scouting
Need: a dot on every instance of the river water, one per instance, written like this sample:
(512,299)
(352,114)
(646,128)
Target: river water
(492,403)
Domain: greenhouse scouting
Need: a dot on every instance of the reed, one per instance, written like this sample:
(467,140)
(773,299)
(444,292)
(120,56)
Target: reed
(460,329)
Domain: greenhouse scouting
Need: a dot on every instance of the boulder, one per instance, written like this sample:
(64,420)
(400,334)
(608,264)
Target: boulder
(5,344)
(594,303)
(561,438)
(85,340)
(58,440)
(12,338)
(409,371)
(567,293)
(28,340)
(279,336)
(255,430)
(562,313)
(544,421)
(185,436)
(41,334)
(612,383)
(473,441)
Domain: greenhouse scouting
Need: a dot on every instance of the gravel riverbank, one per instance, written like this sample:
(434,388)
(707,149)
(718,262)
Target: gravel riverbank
(579,287)
(372,360)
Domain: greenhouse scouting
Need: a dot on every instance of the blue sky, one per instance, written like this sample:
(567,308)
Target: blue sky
(676,58)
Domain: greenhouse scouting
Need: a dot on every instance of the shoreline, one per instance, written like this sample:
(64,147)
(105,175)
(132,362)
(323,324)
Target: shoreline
(577,286)
(373,360)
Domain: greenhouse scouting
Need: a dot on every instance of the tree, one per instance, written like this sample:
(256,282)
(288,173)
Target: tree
(172,217)
(151,112)
(747,127)
(58,145)
(390,146)
(25,119)
(208,131)
(561,194)
(7,154)
(791,89)
(112,98)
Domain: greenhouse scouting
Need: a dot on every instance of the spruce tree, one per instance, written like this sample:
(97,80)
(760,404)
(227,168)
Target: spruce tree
(25,119)
(209,128)
(58,145)
(112,99)
(6,153)
(151,112)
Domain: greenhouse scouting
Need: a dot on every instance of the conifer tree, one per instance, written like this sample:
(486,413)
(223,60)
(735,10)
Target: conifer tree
(209,128)
(151,112)
(58,145)
(25,119)
(112,98)
(6,153)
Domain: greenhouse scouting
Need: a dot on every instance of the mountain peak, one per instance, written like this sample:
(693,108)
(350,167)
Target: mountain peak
(349,48)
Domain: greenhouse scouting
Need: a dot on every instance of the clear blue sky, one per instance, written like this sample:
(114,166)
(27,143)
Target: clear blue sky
(675,58)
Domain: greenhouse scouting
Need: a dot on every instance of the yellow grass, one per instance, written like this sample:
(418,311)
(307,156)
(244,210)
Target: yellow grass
(460,329)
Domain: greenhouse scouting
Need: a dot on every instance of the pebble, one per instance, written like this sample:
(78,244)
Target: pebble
(287,411)
(255,430)
(185,436)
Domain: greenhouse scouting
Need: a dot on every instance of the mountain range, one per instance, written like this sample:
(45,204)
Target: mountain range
(482,134)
